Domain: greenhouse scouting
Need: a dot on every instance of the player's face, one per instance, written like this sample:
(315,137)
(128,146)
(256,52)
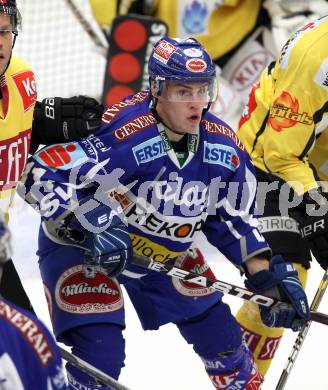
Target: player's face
(181,105)
(6,41)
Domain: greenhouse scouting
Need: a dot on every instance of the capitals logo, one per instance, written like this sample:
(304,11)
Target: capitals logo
(284,113)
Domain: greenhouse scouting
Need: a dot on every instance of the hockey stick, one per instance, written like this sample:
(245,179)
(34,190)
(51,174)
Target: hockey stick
(302,334)
(91,370)
(87,27)
(193,277)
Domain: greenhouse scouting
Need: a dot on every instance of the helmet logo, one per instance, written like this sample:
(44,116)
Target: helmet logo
(192,52)
(196,65)
(164,51)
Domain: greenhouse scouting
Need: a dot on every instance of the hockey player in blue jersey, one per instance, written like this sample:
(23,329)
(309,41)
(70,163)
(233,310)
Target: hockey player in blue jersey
(173,169)
(29,356)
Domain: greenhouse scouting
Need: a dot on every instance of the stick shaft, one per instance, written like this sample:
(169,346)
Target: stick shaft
(302,334)
(91,370)
(86,25)
(218,285)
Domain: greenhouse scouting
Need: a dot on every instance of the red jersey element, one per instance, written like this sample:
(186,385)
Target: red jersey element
(26,85)
(13,156)
(251,105)
(269,348)
(57,156)
(251,338)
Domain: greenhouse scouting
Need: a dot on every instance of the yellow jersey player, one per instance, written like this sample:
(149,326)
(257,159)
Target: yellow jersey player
(284,127)
(24,120)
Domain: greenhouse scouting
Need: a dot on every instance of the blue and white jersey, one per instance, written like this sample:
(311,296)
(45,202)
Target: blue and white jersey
(29,357)
(166,201)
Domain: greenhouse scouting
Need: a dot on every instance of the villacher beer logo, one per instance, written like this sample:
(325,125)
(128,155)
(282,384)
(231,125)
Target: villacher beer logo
(77,293)
(196,65)
(193,261)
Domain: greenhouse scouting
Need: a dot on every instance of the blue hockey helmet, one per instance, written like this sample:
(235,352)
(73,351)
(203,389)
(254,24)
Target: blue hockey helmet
(182,61)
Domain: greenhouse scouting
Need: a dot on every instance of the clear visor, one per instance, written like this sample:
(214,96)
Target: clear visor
(182,91)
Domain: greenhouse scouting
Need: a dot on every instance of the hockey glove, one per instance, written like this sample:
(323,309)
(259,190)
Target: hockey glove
(5,241)
(281,282)
(98,229)
(312,218)
(58,120)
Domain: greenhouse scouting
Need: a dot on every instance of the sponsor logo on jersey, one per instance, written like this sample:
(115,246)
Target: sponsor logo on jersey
(26,85)
(29,329)
(149,150)
(284,113)
(13,156)
(321,77)
(112,111)
(193,261)
(63,156)
(277,224)
(250,106)
(251,338)
(134,126)
(196,65)
(181,229)
(121,198)
(94,145)
(248,71)
(222,155)
(144,247)
(269,348)
(164,51)
(218,128)
(77,293)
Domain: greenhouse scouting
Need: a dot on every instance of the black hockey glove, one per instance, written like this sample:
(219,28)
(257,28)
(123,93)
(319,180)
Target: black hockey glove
(312,218)
(58,120)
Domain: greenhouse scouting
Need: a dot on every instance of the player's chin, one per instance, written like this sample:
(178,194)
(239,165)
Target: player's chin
(192,125)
